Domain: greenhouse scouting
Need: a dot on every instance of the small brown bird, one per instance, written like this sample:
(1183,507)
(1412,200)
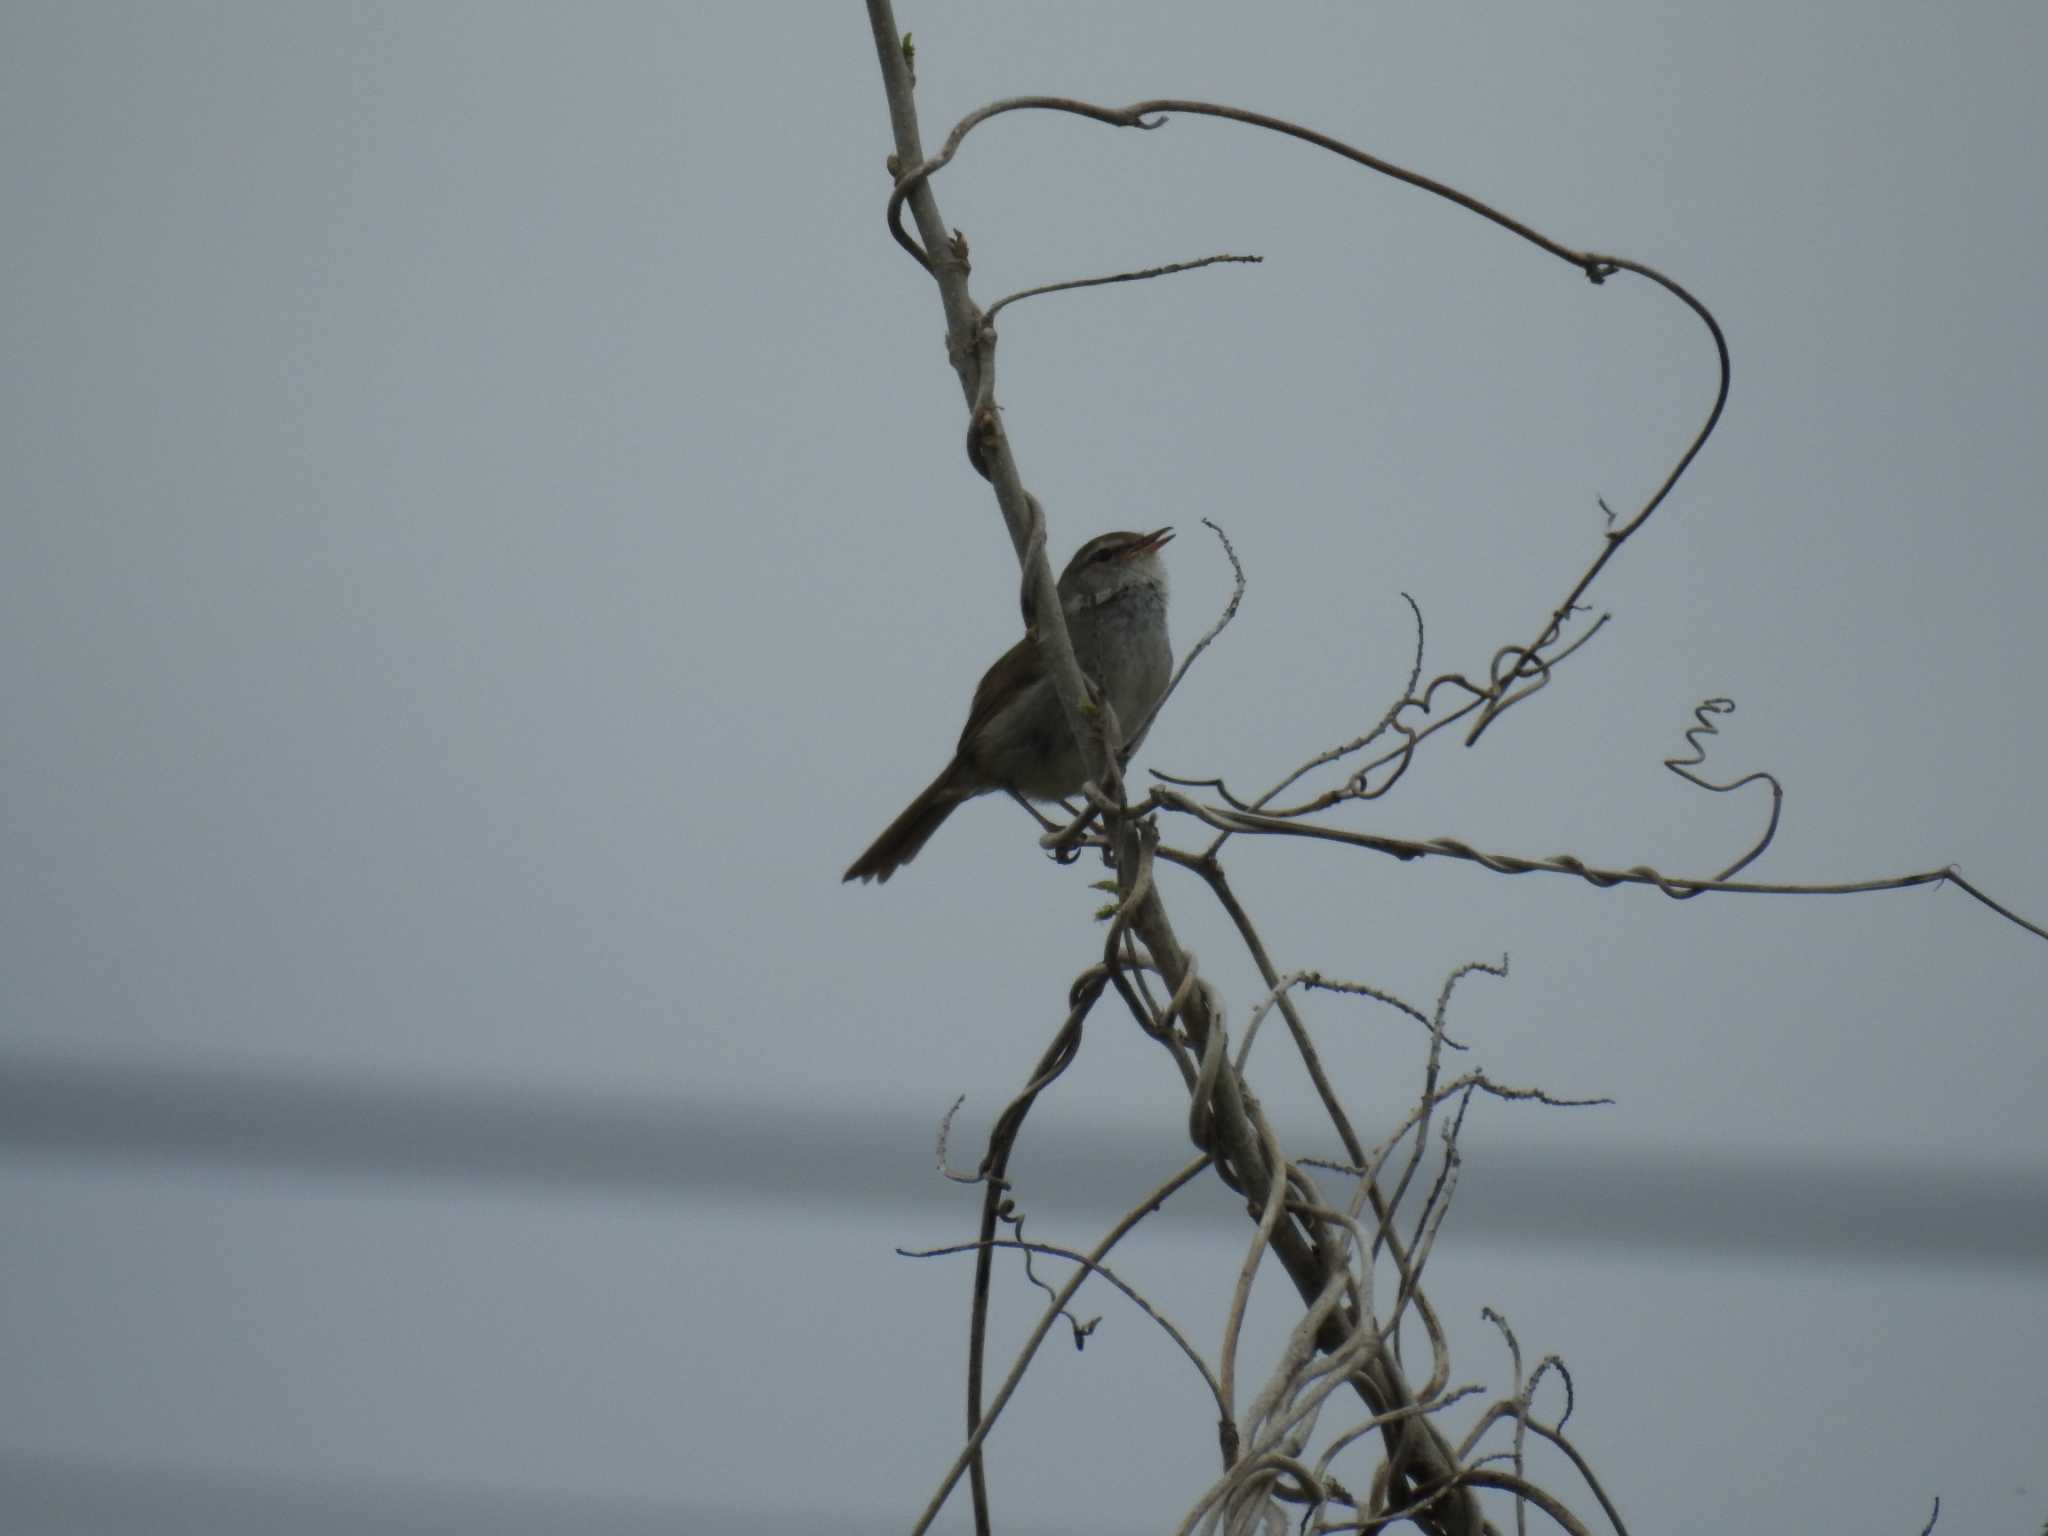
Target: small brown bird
(1113,593)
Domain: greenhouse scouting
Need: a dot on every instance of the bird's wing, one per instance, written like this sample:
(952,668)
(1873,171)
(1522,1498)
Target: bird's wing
(998,685)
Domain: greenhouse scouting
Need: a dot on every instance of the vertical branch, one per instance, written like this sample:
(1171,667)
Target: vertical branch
(970,344)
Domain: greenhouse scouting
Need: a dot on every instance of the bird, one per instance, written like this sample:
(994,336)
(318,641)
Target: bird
(1113,594)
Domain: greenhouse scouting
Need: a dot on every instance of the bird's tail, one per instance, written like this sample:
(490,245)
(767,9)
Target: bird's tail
(901,841)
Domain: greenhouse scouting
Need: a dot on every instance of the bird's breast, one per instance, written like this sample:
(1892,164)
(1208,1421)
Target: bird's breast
(1124,645)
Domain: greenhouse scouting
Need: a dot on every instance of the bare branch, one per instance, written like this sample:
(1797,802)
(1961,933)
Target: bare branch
(970,344)
(1091,1264)
(1058,1056)
(1431,1070)
(1117,277)
(1201,645)
(945,1134)
(1386,721)
(1554,1433)
(1521,1489)
(971,1451)
(1359,786)
(1675,886)
(1315,981)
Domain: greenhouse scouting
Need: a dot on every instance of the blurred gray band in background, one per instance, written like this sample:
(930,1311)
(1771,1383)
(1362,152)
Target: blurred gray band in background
(620,1145)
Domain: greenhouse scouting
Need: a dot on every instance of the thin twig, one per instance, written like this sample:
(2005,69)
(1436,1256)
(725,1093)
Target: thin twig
(1555,1435)
(1359,785)
(1118,277)
(945,1135)
(971,1451)
(1201,645)
(1357,743)
(1094,1266)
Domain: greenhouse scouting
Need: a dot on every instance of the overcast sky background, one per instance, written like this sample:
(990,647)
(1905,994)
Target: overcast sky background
(486,541)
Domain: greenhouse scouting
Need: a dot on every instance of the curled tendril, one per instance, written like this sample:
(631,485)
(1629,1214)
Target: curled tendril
(1684,766)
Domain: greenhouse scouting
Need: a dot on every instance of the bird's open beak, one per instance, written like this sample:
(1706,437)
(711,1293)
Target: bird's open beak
(1154,541)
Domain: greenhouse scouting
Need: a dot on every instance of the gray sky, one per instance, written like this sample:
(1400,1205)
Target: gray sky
(486,541)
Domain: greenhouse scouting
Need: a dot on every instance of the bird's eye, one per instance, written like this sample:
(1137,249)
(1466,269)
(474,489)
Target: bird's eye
(1107,552)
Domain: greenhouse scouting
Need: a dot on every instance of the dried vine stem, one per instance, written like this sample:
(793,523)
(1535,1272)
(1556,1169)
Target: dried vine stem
(1142,275)
(1341,1340)
(1684,767)
(1091,1263)
(970,1454)
(1304,1239)
(1359,786)
(1225,818)
(1282,1420)
(1213,875)
(970,344)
